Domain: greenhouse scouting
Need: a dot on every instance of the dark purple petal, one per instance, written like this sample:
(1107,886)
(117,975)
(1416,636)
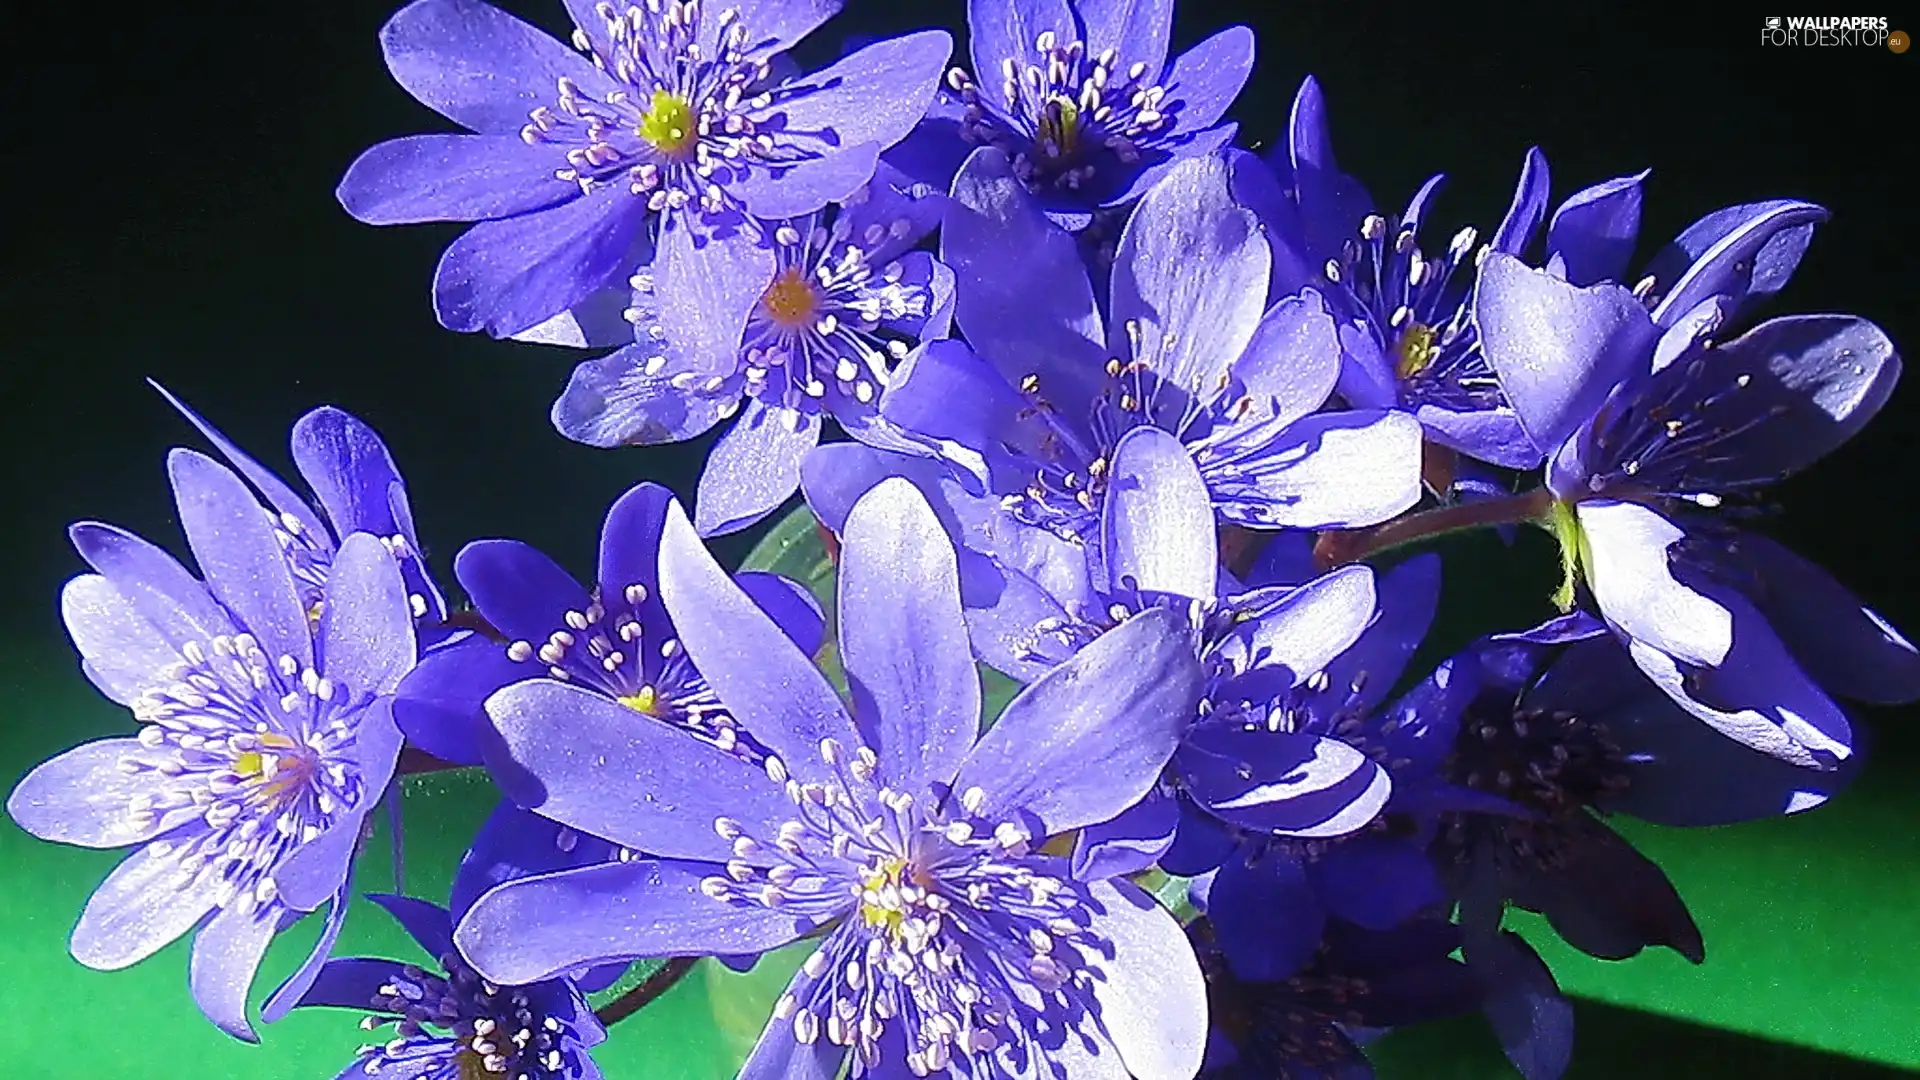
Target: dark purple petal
(1267,917)
(1203,81)
(1329,470)
(440,705)
(1155,529)
(1419,728)
(903,640)
(1285,783)
(452,178)
(1532,1020)
(1745,253)
(83,796)
(349,470)
(630,539)
(1189,327)
(425,922)
(226,953)
(508,275)
(612,401)
(1558,350)
(1362,677)
(790,191)
(754,467)
(1131,842)
(1299,636)
(789,604)
(1002,30)
(1183,148)
(1137,30)
(1090,737)
(521,591)
(278,494)
(352,983)
(1593,232)
(479,66)
(514,843)
(536,928)
(759,673)
(1290,367)
(591,763)
(366,627)
(1528,207)
(233,541)
(1331,202)
(946,393)
(1377,882)
(1608,900)
(1634,585)
(1023,297)
(1149,994)
(137,911)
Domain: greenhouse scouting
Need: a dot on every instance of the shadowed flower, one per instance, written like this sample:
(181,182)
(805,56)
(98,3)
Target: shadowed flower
(1652,424)
(844,300)
(1405,319)
(452,1024)
(1033,410)
(950,943)
(266,738)
(674,124)
(610,654)
(1080,97)
(358,489)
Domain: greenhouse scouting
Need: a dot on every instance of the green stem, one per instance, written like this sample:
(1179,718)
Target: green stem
(662,980)
(1337,548)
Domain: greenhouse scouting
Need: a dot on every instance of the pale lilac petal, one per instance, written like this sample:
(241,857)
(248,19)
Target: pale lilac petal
(1290,367)
(509,275)
(588,762)
(85,797)
(1593,232)
(759,673)
(1189,326)
(1329,470)
(1073,758)
(172,601)
(233,541)
(536,928)
(452,178)
(123,654)
(1001,30)
(1131,842)
(597,322)
(791,605)
(612,401)
(1557,349)
(287,995)
(1150,995)
(279,495)
(1528,207)
(514,843)
(1155,529)
(1285,783)
(366,627)
(226,954)
(313,873)
(1636,590)
(705,285)
(137,911)
(1299,636)
(754,467)
(479,66)
(1490,435)
(903,640)
(1204,80)
(772,25)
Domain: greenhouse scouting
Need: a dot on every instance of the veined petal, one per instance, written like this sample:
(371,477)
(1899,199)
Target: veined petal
(1204,80)
(452,178)
(233,541)
(1291,641)
(1290,366)
(85,796)
(754,467)
(1284,783)
(1156,526)
(1329,470)
(1002,30)
(1745,253)
(1636,590)
(123,654)
(366,627)
(1593,232)
(141,908)
(226,954)
(1152,998)
(612,401)
(479,66)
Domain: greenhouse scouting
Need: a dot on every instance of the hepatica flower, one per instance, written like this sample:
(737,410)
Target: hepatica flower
(1404,315)
(1188,345)
(841,304)
(611,652)
(948,942)
(672,124)
(265,739)
(1080,97)
(1652,425)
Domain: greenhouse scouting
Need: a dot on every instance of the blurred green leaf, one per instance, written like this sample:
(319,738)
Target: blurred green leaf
(742,1002)
(794,549)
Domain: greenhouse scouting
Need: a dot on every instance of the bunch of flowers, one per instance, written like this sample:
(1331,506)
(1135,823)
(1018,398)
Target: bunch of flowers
(1148,425)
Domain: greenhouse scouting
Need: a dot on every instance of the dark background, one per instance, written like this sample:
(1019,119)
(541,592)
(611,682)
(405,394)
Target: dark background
(169,213)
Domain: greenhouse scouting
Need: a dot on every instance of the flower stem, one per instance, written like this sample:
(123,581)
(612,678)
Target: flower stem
(1338,548)
(662,980)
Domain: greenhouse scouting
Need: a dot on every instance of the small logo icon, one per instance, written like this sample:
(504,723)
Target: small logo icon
(1898,41)
(1773,23)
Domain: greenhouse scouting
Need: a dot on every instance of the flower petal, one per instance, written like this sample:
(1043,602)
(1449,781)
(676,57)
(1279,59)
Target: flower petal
(1300,635)
(234,543)
(354,477)
(1267,916)
(1329,470)
(366,627)
(1002,30)
(1150,995)
(1529,205)
(1745,253)
(288,994)
(515,843)
(137,911)
(536,928)
(754,467)
(903,640)
(174,606)
(479,66)
(591,763)
(1290,366)
(509,275)
(1376,882)
(314,872)
(1284,783)
(1201,85)
(278,494)
(226,955)
(521,591)
(1593,232)
(1557,349)
(352,983)
(1131,842)
(452,178)
(1089,738)
(1331,202)
(1154,527)
(1635,587)
(612,401)
(85,796)
(705,284)
(1533,1022)
(440,705)
(1188,327)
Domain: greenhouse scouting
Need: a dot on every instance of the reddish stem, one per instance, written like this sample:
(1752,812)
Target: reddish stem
(1337,548)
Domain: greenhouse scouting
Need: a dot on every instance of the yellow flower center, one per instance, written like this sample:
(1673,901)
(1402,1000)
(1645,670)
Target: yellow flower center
(278,764)
(668,124)
(471,1066)
(1060,123)
(1415,350)
(645,700)
(791,302)
(884,880)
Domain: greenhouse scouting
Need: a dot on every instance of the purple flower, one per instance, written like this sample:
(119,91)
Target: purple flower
(358,489)
(1305,1026)
(949,942)
(841,304)
(454,1023)
(1079,96)
(611,652)
(672,127)
(1652,424)
(266,738)
(1033,410)
(1405,319)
